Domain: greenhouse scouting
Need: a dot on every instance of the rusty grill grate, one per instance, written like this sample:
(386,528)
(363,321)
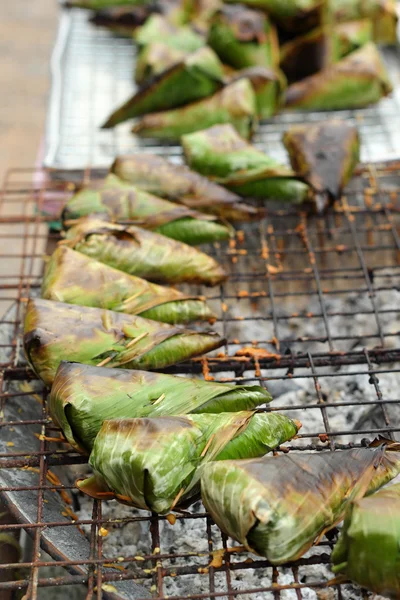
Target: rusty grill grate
(311,310)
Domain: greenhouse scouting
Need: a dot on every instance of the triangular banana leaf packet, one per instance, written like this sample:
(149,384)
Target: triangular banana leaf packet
(221,154)
(75,278)
(160,28)
(158,176)
(325,156)
(143,253)
(196,76)
(55,331)
(356,81)
(154,59)
(235,104)
(383,15)
(243,37)
(278,507)
(121,201)
(269,86)
(122,20)
(368,550)
(83,396)
(154,464)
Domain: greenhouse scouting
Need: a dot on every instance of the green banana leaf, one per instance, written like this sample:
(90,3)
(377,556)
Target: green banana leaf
(356,81)
(269,87)
(75,278)
(155,58)
(159,28)
(121,201)
(235,104)
(353,35)
(278,507)
(368,548)
(196,76)
(154,464)
(383,14)
(221,154)
(122,20)
(201,12)
(325,156)
(294,16)
(243,37)
(158,176)
(143,253)
(55,331)
(83,396)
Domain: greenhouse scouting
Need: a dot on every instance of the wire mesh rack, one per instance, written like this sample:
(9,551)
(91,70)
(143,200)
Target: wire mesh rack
(311,310)
(93,75)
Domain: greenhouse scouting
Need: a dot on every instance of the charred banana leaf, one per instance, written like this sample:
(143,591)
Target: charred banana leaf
(235,104)
(269,87)
(122,20)
(243,37)
(121,201)
(154,59)
(154,463)
(143,253)
(159,28)
(368,548)
(358,80)
(55,331)
(74,278)
(83,397)
(278,507)
(383,14)
(196,76)
(176,182)
(221,154)
(325,156)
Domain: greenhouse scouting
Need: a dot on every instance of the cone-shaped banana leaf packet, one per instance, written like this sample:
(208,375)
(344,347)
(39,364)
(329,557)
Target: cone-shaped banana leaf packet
(243,37)
(122,20)
(278,507)
(143,253)
(325,156)
(154,464)
(55,331)
(154,59)
(356,81)
(196,76)
(158,28)
(269,86)
(121,201)
(235,104)
(75,278)
(295,16)
(83,396)
(221,154)
(158,176)
(368,550)
(383,14)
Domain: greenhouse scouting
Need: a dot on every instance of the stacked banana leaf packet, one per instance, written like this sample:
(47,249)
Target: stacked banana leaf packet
(110,318)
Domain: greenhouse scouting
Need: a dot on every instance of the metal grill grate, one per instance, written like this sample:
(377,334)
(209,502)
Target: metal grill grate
(92,75)
(311,310)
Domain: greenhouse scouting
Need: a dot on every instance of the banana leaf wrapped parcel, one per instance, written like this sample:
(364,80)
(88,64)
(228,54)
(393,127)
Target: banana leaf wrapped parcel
(55,331)
(143,253)
(75,278)
(243,37)
(121,201)
(160,28)
(382,13)
(155,58)
(83,396)
(196,76)
(235,104)
(325,156)
(221,154)
(154,464)
(368,550)
(158,176)
(355,81)
(269,87)
(278,507)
